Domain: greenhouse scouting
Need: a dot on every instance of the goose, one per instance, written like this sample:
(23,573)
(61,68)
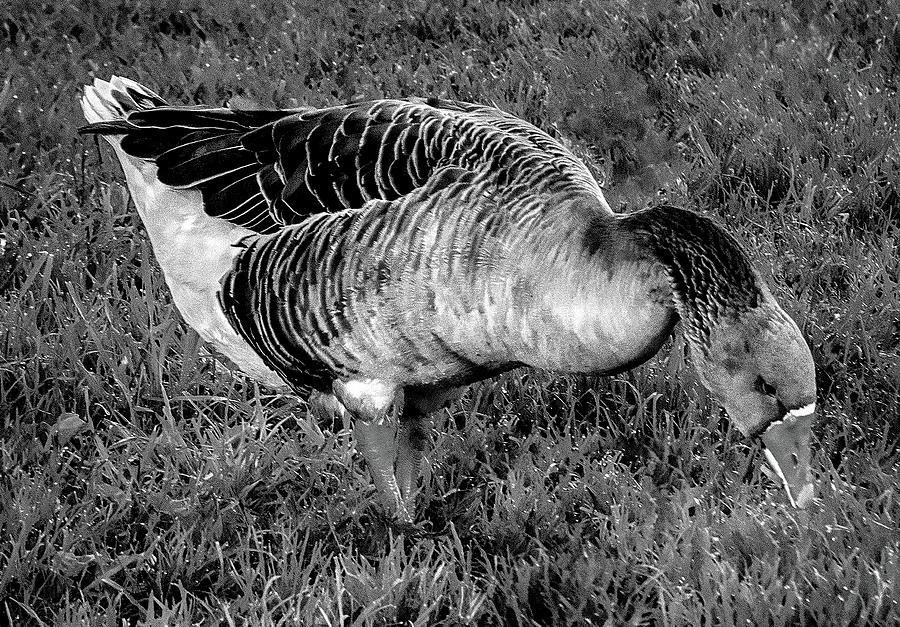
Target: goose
(387,254)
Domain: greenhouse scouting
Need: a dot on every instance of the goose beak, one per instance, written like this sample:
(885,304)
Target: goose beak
(787,449)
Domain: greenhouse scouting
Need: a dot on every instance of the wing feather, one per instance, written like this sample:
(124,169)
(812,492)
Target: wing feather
(264,170)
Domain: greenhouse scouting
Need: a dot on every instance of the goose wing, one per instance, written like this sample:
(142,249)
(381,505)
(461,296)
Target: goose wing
(559,164)
(368,318)
(263,170)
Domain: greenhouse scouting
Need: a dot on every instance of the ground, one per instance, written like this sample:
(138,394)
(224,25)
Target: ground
(143,480)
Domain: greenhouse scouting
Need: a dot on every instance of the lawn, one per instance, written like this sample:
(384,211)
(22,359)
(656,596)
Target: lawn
(143,480)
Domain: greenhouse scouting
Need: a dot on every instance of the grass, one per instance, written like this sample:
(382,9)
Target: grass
(143,481)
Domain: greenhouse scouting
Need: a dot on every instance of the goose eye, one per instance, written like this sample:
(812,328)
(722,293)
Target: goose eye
(764,387)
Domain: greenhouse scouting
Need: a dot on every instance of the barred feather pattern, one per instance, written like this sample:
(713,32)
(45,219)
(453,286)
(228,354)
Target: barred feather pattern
(424,290)
(266,169)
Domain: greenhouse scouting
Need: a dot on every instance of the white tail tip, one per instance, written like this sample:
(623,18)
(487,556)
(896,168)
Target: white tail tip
(105,101)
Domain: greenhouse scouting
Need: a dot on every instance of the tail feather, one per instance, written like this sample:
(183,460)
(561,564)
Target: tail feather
(111,101)
(113,127)
(188,148)
(204,117)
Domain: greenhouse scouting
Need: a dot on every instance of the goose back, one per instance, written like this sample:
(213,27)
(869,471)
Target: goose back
(263,170)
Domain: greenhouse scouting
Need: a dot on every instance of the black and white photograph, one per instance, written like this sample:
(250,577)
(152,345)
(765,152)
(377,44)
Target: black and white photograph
(461,313)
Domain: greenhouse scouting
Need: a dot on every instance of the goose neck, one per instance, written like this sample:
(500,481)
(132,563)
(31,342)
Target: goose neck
(709,273)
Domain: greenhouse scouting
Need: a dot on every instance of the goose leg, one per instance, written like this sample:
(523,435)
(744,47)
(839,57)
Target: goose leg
(412,438)
(378,445)
(374,407)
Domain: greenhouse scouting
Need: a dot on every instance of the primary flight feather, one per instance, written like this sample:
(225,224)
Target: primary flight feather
(392,252)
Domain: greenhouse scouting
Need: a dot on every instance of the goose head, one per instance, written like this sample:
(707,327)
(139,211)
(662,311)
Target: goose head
(758,366)
(747,351)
